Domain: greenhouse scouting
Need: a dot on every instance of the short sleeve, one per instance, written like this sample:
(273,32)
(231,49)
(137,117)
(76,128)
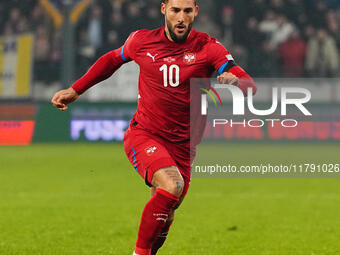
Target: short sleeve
(218,55)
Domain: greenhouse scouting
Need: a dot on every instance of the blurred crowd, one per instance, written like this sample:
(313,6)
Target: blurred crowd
(290,38)
(269,38)
(28,16)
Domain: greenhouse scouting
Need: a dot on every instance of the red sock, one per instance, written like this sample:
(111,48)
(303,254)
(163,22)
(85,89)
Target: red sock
(154,217)
(160,240)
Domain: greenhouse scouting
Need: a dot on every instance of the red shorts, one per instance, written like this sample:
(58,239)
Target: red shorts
(148,153)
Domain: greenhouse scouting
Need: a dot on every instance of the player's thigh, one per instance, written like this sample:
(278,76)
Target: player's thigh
(146,154)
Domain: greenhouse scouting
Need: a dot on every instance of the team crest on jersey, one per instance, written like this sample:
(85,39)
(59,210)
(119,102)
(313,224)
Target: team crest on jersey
(150,150)
(189,58)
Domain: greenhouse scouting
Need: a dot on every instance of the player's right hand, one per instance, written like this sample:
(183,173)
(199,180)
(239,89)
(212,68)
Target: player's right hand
(228,78)
(64,97)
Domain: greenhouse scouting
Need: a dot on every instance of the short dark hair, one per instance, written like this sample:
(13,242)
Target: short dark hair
(166,1)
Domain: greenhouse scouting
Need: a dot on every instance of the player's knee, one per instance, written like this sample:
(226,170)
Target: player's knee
(175,186)
(169,179)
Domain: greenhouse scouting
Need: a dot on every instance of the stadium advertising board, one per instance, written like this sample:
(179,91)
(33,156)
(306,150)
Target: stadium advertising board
(98,130)
(255,130)
(17,124)
(84,122)
(104,123)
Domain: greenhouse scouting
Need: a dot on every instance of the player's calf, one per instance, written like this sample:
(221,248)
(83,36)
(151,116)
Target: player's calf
(169,186)
(164,233)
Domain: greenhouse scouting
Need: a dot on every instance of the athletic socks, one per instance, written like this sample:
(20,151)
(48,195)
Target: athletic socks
(160,240)
(154,218)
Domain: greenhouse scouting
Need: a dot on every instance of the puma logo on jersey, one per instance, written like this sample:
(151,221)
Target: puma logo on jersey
(189,58)
(153,57)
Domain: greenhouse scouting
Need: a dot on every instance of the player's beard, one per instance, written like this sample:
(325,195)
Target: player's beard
(176,38)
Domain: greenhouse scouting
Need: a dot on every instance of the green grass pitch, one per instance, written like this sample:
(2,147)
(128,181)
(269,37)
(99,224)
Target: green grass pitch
(86,199)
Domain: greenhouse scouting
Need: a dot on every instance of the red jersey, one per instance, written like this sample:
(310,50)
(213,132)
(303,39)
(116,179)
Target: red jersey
(166,68)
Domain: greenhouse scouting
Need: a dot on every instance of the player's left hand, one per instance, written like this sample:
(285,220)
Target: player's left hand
(228,78)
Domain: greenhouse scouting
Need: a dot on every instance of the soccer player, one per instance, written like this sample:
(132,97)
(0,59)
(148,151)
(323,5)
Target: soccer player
(157,140)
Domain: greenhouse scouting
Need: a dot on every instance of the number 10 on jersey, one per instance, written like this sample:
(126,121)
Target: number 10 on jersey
(170,75)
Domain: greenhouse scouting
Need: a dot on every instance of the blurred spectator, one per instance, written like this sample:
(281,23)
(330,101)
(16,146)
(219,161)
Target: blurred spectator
(112,42)
(277,5)
(292,54)
(95,27)
(56,52)
(296,12)
(257,8)
(154,18)
(322,55)
(8,30)
(269,61)
(133,20)
(206,24)
(116,5)
(309,31)
(85,53)
(254,45)
(39,16)
(42,44)
(317,15)
(282,32)
(42,49)
(116,28)
(268,25)
(23,26)
(227,21)
(333,26)
(259,33)
(14,19)
(240,17)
